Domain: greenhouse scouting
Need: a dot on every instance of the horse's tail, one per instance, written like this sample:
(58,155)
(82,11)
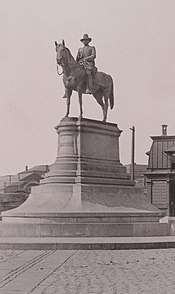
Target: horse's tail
(111,94)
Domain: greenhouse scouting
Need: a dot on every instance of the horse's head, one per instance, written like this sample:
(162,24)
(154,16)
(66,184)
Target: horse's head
(63,54)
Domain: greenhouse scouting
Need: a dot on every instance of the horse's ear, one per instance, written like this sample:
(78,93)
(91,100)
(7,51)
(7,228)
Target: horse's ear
(63,43)
(56,43)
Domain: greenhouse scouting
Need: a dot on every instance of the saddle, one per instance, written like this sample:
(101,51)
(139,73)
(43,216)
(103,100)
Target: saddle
(88,66)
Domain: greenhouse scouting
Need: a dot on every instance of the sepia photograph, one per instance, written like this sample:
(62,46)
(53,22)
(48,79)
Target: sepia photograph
(87,153)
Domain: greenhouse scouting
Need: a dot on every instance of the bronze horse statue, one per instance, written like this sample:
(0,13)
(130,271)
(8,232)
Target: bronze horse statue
(75,78)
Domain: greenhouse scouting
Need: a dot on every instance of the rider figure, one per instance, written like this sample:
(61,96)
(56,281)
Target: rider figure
(86,56)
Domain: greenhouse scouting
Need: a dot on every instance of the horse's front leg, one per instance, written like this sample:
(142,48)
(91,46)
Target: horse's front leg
(80,103)
(105,110)
(68,95)
(68,107)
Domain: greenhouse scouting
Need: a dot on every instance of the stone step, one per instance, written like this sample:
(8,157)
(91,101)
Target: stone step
(144,229)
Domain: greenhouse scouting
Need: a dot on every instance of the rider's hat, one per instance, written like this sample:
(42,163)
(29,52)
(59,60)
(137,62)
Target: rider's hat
(85,37)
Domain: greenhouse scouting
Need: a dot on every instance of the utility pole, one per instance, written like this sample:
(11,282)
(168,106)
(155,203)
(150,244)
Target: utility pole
(132,153)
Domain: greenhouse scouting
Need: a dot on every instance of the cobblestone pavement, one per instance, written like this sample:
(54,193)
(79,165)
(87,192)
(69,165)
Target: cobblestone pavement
(87,272)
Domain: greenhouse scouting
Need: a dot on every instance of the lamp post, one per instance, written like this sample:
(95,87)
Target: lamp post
(132,153)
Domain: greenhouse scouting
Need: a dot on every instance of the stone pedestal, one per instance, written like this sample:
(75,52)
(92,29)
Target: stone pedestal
(87,191)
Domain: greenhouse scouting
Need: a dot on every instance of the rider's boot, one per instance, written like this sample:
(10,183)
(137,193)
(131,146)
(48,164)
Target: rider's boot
(89,89)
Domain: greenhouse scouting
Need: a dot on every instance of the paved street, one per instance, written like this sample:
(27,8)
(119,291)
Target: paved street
(87,272)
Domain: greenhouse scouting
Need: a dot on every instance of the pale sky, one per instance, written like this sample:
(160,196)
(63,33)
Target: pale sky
(135,43)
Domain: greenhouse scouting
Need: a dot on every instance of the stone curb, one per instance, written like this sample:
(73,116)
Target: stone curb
(86,243)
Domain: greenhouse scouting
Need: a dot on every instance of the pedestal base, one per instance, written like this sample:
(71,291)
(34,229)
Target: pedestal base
(87,191)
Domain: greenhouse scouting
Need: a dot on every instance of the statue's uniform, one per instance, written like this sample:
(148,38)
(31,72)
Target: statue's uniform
(87,54)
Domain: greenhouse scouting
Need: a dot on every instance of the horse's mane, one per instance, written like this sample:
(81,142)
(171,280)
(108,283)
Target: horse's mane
(69,51)
(71,57)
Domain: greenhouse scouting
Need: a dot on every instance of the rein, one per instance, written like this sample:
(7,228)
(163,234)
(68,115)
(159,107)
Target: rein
(76,66)
(58,71)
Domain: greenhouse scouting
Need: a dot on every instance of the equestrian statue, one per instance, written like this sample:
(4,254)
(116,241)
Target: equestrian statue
(81,75)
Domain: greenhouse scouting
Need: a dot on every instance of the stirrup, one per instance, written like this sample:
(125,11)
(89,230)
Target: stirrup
(88,91)
(65,96)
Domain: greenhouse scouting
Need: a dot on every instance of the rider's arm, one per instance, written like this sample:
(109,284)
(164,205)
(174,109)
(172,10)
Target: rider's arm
(91,57)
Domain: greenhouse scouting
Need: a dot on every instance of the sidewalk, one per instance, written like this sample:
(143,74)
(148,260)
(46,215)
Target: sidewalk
(87,243)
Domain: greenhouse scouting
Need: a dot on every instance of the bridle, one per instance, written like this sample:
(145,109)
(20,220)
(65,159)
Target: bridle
(61,65)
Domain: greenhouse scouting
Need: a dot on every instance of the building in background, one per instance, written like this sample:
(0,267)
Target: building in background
(161,172)
(15,189)
(139,177)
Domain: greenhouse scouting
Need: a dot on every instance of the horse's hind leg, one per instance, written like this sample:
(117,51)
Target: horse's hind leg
(80,103)
(99,97)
